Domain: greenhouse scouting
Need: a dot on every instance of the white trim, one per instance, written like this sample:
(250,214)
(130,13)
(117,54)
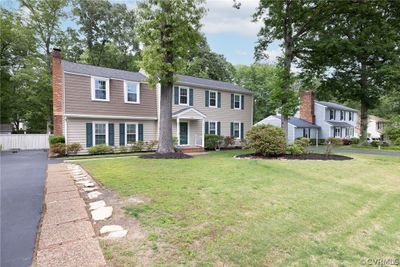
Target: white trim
(92,86)
(188,132)
(109,117)
(187,96)
(240,101)
(126,92)
(202,132)
(126,132)
(216,127)
(202,86)
(94,131)
(240,129)
(187,110)
(216,98)
(111,78)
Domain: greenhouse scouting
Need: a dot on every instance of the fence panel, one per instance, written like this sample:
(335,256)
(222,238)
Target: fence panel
(24,141)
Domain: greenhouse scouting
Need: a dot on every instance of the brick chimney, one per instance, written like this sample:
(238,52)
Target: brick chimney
(307,106)
(57,92)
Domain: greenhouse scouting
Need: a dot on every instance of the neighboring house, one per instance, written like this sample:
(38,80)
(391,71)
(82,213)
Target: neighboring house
(325,119)
(6,128)
(95,105)
(375,127)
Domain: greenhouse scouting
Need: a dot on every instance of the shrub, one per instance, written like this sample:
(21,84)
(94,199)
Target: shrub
(122,149)
(313,141)
(385,144)
(347,142)
(137,146)
(56,139)
(151,145)
(397,142)
(212,141)
(375,143)
(73,148)
(303,142)
(100,149)
(295,149)
(59,149)
(229,140)
(266,140)
(355,140)
(331,143)
(175,140)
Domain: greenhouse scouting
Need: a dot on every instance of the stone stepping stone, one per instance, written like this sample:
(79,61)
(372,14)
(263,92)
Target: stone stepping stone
(117,234)
(89,189)
(82,182)
(102,213)
(88,184)
(78,179)
(97,204)
(110,228)
(94,194)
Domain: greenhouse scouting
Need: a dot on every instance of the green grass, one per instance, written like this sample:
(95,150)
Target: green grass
(215,210)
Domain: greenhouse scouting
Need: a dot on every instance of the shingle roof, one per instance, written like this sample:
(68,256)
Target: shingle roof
(299,122)
(339,124)
(335,106)
(137,76)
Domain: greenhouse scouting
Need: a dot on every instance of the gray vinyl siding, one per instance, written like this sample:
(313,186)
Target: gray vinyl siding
(271,120)
(78,99)
(225,114)
(77,130)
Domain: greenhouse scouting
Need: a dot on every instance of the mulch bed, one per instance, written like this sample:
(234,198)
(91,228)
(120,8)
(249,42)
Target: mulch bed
(311,156)
(176,155)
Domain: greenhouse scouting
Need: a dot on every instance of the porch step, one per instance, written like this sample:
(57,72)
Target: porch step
(192,149)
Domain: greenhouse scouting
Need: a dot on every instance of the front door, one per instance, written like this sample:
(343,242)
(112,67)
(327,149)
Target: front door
(183,133)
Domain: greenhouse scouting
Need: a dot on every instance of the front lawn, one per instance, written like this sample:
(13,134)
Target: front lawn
(214,210)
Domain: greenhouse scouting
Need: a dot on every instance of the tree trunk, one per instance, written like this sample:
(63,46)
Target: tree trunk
(165,144)
(364,103)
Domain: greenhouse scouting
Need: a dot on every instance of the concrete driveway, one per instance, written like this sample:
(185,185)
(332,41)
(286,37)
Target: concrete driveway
(22,183)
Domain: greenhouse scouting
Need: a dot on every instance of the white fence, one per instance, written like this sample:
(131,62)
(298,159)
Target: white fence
(24,141)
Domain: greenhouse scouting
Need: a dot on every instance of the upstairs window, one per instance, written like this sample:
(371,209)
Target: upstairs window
(380,125)
(237,101)
(131,133)
(132,92)
(183,96)
(213,99)
(350,116)
(100,133)
(332,114)
(100,89)
(342,115)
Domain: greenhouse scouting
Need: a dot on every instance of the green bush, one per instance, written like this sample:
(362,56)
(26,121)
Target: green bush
(229,140)
(331,142)
(137,146)
(212,141)
(295,149)
(56,139)
(59,149)
(73,148)
(375,143)
(313,141)
(122,149)
(355,140)
(303,142)
(151,145)
(397,142)
(100,149)
(266,140)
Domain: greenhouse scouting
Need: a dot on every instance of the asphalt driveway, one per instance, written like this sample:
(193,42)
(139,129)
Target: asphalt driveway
(22,183)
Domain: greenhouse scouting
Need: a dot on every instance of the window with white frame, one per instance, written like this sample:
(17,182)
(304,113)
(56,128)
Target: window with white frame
(237,101)
(132,92)
(236,129)
(350,116)
(183,95)
(100,89)
(100,133)
(342,115)
(131,133)
(332,115)
(338,132)
(380,125)
(212,127)
(213,99)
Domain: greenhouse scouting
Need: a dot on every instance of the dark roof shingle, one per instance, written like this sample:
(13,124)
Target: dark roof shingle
(299,122)
(335,106)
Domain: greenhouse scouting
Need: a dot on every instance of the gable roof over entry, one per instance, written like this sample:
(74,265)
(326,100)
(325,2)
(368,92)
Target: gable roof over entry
(188,113)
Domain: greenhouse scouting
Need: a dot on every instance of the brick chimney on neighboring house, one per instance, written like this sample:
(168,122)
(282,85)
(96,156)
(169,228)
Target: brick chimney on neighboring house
(307,106)
(57,92)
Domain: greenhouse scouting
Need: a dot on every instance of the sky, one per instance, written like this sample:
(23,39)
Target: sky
(229,31)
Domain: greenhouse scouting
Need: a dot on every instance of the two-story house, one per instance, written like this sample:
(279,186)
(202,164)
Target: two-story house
(96,105)
(375,128)
(318,120)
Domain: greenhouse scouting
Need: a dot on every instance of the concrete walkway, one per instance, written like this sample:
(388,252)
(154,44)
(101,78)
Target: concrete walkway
(67,237)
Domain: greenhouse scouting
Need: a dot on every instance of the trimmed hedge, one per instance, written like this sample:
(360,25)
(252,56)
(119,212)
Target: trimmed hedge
(56,139)
(212,141)
(266,140)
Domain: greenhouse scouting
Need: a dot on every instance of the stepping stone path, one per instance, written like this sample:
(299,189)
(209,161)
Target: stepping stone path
(117,234)
(88,184)
(97,204)
(110,228)
(94,194)
(89,189)
(102,213)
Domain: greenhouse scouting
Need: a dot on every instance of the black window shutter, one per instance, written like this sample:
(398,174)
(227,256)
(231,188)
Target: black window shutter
(232,129)
(207,97)
(122,134)
(219,128)
(242,130)
(111,134)
(206,127)
(89,134)
(219,99)
(176,94)
(232,101)
(242,102)
(140,126)
(190,97)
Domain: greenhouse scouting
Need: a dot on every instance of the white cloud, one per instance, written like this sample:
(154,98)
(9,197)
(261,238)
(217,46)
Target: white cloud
(241,52)
(273,54)
(222,17)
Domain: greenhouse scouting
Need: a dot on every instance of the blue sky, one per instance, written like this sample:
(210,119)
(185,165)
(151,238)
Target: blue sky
(229,31)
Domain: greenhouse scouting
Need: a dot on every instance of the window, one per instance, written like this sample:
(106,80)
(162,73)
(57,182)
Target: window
(342,115)
(132,92)
(306,132)
(380,125)
(236,129)
(100,89)
(338,132)
(332,115)
(213,99)
(212,127)
(237,101)
(100,133)
(183,96)
(131,133)
(350,116)
(351,132)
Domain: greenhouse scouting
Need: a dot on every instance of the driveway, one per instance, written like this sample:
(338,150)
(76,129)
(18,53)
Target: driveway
(359,151)
(22,183)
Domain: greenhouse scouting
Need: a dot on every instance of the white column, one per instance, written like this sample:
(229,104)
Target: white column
(202,132)
(178,131)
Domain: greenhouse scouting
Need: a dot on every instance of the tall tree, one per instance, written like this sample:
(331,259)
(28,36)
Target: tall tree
(357,54)
(168,30)
(288,21)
